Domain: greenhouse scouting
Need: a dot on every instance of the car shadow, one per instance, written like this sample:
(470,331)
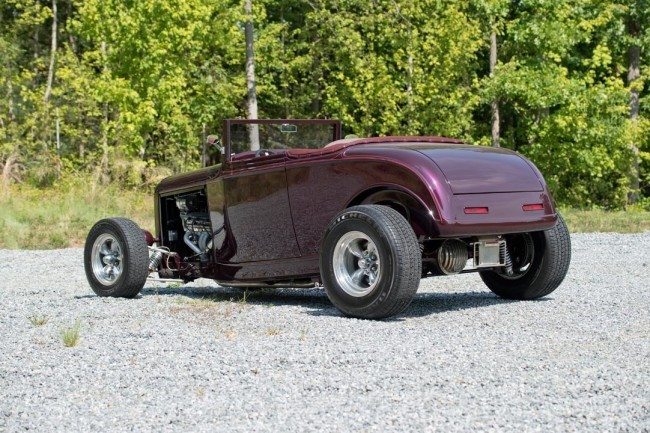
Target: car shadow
(315,300)
(274,296)
(424,304)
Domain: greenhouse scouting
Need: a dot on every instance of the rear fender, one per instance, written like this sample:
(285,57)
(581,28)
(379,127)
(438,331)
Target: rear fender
(411,208)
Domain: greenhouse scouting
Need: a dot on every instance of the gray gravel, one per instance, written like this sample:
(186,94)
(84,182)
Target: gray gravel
(198,358)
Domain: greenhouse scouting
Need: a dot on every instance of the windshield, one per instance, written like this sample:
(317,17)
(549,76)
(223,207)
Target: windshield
(281,134)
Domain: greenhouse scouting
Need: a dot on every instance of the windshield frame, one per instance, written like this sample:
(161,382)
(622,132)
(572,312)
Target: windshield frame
(227,123)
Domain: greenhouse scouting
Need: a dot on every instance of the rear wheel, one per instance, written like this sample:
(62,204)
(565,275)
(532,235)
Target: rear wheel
(116,258)
(370,262)
(540,261)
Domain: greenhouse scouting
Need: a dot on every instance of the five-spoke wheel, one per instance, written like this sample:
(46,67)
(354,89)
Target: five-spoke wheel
(116,258)
(356,263)
(107,259)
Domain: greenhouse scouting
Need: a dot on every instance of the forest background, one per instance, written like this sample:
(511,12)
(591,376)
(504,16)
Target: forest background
(100,99)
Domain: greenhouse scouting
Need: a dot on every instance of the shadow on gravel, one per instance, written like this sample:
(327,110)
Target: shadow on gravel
(306,297)
(423,304)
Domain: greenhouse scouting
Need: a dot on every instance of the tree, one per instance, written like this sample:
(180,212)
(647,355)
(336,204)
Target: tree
(496,131)
(253,130)
(50,72)
(133,86)
(633,22)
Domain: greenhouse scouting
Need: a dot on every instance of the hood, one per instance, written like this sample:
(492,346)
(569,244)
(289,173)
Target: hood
(190,179)
(477,169)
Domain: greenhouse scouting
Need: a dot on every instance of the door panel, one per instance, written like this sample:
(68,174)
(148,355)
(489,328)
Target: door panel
(257,216)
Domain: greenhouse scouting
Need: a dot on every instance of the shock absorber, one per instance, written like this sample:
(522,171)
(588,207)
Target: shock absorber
(507,260)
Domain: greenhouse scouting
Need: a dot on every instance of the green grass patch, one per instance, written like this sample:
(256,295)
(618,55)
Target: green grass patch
(61,216)
(598,220)
(70,335)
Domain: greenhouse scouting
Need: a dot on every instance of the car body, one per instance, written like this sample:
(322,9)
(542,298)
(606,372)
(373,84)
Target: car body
(259,218)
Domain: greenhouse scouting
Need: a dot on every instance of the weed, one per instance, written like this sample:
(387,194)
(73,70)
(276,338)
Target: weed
(71,334)
(272,332)
(37,320)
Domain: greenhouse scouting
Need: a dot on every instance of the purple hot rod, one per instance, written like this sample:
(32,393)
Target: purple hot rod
(365,217)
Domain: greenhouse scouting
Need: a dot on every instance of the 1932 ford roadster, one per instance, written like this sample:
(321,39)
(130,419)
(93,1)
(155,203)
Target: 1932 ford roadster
(365,217)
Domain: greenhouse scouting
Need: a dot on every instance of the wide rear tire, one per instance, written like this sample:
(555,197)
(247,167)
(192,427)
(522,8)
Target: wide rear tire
(370,262)
(551,256)
(116,258)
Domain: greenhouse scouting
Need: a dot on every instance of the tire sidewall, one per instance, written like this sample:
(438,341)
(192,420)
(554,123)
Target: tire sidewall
(357,221)
(106,227)
(535,283)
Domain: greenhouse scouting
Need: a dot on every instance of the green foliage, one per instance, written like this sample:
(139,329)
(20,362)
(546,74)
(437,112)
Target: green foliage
(136,83)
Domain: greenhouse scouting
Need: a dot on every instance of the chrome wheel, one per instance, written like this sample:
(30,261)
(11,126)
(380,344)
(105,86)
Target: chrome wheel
(107,259)
(356,264)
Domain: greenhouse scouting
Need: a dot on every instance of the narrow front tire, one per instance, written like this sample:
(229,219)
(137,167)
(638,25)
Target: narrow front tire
(116,258)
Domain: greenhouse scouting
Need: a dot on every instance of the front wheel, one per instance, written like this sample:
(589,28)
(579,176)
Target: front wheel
(370,262)
(540,261)
(116,258)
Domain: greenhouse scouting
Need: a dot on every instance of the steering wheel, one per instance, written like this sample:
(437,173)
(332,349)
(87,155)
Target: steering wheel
(263,152)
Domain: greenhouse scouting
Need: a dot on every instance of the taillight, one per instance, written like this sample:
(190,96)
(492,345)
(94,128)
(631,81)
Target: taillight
(532,207)
(476,210)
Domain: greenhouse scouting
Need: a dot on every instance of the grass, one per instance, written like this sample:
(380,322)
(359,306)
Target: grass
(71,335)
(37,320)
(598,220)
(271,332)
(61,216)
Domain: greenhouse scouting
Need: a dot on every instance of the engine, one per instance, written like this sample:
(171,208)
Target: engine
(193,211)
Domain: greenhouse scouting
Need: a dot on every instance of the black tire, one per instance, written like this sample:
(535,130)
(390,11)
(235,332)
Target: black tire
(398,275)
(133,258)
(549,266)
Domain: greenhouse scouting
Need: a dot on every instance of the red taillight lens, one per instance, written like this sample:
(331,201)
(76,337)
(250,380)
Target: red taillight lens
(476,210)
(534,206)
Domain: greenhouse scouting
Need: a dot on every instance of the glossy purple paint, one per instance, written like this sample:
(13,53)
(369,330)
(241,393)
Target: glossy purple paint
(275,208)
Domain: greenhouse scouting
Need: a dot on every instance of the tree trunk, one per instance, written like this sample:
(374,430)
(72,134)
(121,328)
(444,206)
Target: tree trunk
(103,165)
(204,149)
(8,170)
(10,102)
(50,72)
(633,74)
(253,130)
(409,93)
(315,77)
(496,132)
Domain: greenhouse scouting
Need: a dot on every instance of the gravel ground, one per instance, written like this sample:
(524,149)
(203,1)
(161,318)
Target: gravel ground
(199,358)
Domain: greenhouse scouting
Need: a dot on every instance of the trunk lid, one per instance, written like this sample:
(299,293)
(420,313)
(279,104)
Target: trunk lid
(478,169)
